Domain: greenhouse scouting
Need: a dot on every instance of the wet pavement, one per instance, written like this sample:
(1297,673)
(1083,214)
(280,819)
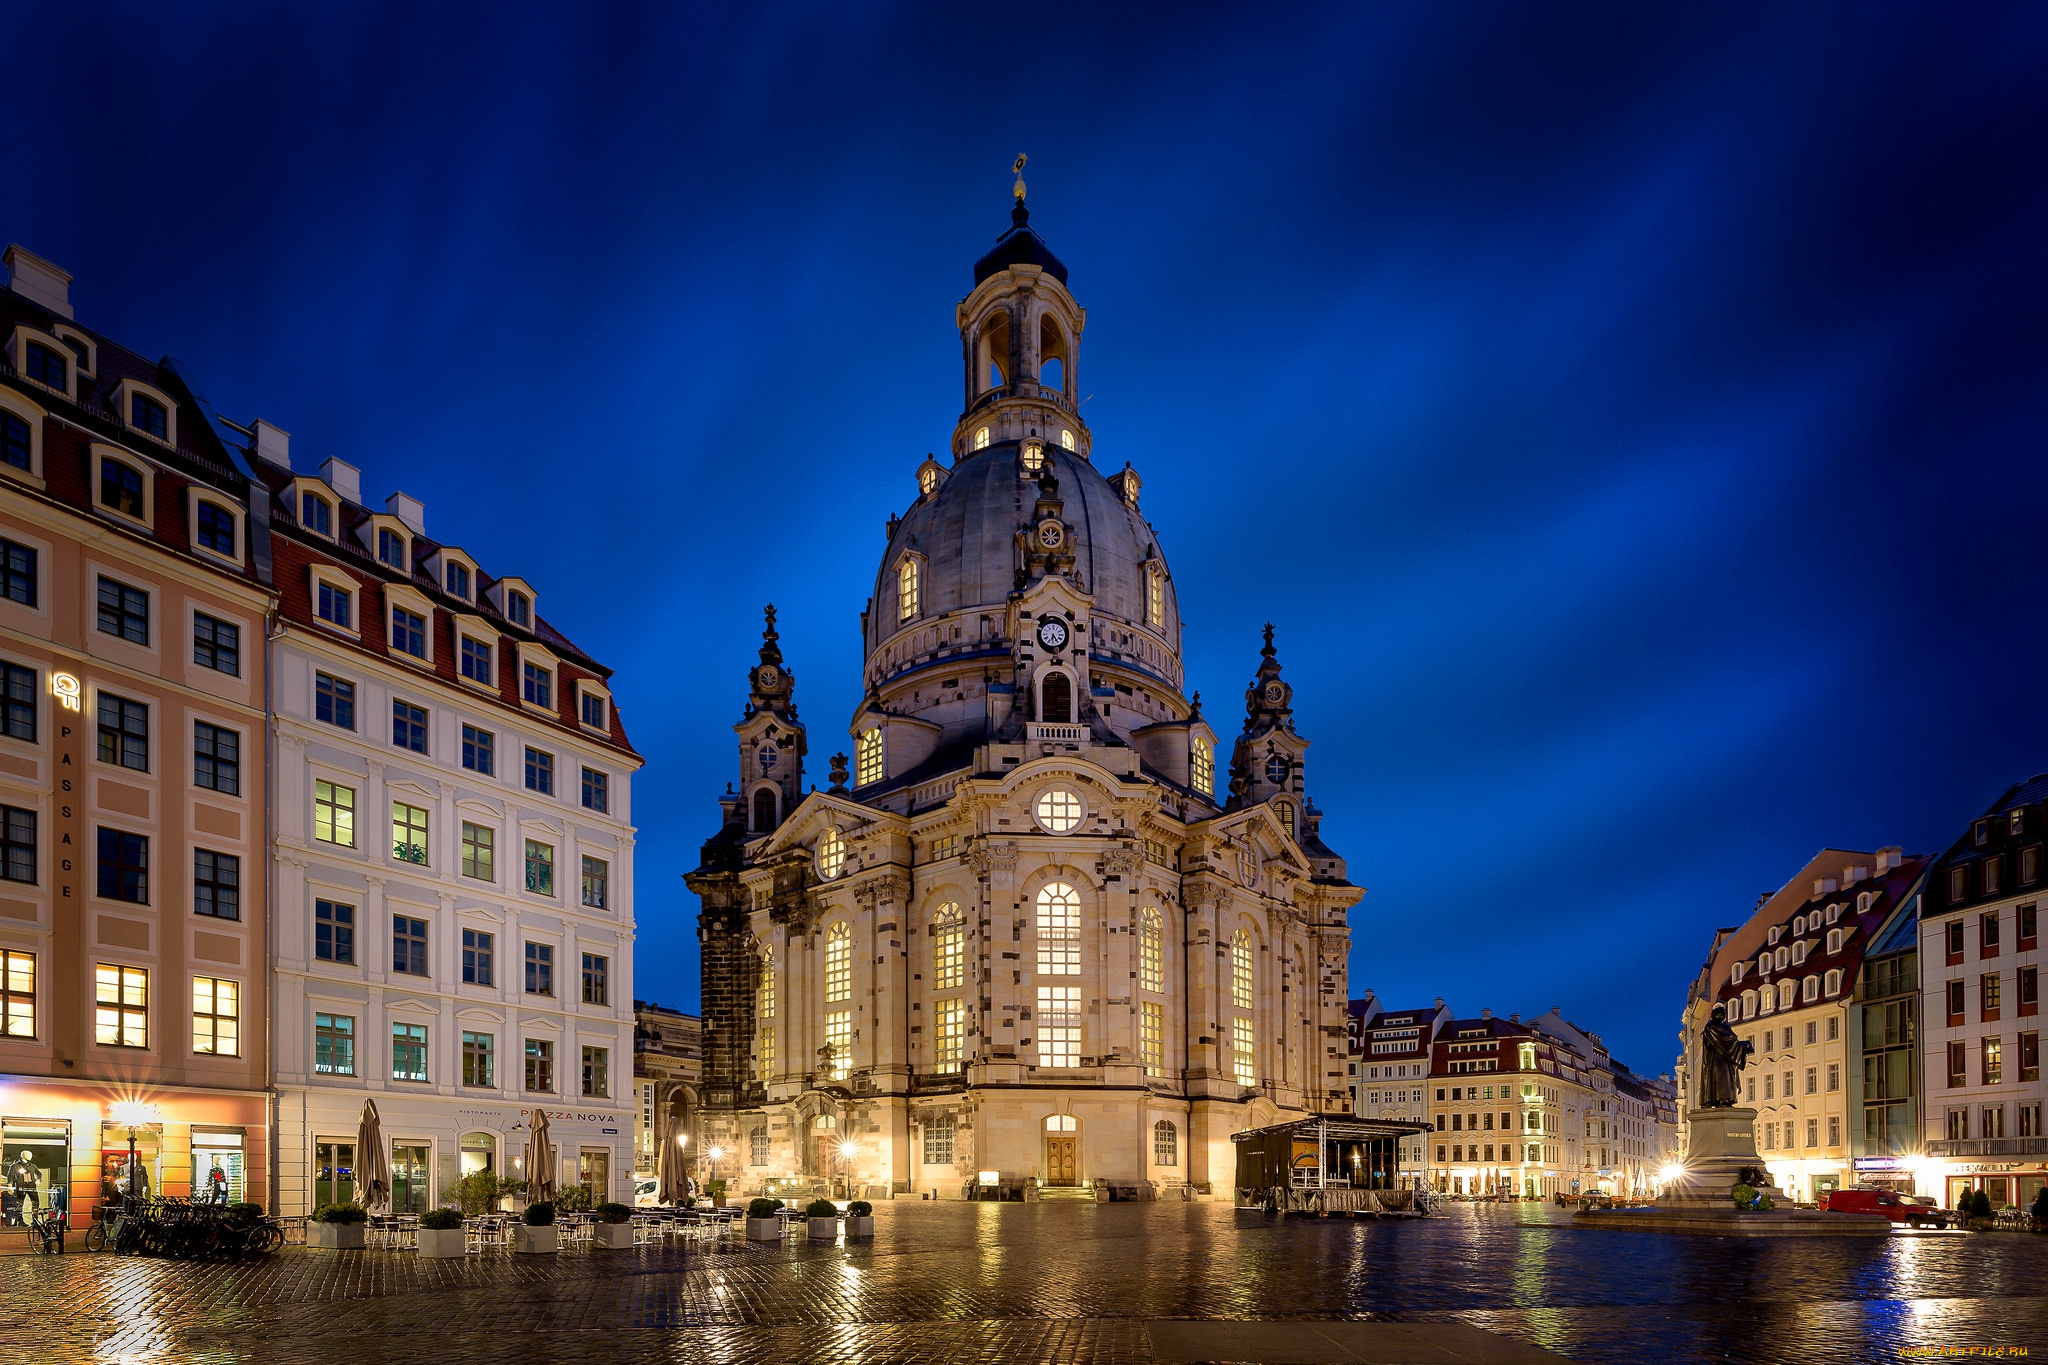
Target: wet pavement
(1050,1282)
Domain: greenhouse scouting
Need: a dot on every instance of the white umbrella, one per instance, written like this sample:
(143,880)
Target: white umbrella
(670,1167)
(540,1162)
(373,1163)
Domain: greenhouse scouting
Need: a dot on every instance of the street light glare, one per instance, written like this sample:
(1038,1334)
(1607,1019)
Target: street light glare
(846,1149)
(716,1152)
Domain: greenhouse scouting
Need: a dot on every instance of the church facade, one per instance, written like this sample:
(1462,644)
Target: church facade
(1040,934)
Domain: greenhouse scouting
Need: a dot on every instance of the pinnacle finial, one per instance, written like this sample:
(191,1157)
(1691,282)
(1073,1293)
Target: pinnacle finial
(1017,169)
(1195,707)
(1268,650)
(771,652)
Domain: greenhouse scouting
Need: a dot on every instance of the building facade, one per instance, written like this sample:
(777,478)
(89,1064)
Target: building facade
(1043,935)
(1393,1065)
(134,589)
(668,1076)
(454,860)
(1507,1110)
(1979,963)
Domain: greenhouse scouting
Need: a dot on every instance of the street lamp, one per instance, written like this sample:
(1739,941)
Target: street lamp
(132,1114)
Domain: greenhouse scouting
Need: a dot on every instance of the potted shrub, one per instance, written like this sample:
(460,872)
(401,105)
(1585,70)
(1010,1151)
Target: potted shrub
(763,1225)
(716,1189)
(537,1234)
(337,1227)
(614,1227)
(860,1219)
(440,1235)
(823,1216)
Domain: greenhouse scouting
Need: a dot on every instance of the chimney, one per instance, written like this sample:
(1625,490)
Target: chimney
(1515,1018)
(409,510)
(344,479)
(1486,1014)
(1439,1002)
(273,444)
(32,277)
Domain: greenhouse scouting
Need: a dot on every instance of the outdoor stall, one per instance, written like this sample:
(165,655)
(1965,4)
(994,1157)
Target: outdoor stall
(1325,1166)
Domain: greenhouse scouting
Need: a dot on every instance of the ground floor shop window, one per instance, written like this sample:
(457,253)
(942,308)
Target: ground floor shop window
(410,1166)
(124,1170)
(594,1173)
(479,1153)
(35,1168)
(334,1172)
(218,1166)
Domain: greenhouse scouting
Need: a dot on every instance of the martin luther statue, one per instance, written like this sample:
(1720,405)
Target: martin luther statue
(1722,1057)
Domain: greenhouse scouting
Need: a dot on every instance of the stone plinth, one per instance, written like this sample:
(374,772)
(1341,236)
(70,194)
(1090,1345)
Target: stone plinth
(1722,1142)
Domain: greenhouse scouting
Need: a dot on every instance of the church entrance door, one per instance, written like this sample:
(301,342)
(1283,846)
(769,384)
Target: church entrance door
(1059,1160)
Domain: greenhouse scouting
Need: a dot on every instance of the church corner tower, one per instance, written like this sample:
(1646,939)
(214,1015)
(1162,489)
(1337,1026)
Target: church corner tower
(1034,926)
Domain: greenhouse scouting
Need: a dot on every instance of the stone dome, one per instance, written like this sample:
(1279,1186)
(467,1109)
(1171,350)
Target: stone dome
(966,531)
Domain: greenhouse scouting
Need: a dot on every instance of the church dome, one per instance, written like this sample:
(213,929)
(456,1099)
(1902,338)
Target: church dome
(1019,246)
(965,533)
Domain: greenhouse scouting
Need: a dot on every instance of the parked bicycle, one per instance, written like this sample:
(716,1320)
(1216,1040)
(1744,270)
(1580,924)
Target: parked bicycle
(180,1229)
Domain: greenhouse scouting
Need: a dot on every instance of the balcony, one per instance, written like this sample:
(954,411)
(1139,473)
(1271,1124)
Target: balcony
(1057,734)
(1990,1147)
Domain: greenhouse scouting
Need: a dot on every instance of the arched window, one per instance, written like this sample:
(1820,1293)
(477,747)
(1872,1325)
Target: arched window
(1155,596)
(927,480)
(867,766)
(1066,440)
(757,1147)
(1285,810)
(993,346)
(949,957)
(981,438)
(764,810)
(1059,930)
(764,1023)
(1059,1123)
(838,963)
(1241,970)
(1202,766)
(1151,951)
(1033,456)
(831,853)
(1165,1144)
(1056,700)
(1052,354)
(1809,989)
(906,590)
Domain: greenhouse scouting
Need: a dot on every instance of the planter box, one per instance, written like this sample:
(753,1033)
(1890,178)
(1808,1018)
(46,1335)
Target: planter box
(861,1227)
(617,1236)
(443,1243)
(335,1236)
(823,1229)
(764,1229)
(536,1241)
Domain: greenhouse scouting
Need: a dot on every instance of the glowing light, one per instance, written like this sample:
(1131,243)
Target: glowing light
(715,1153)
(847,1149)
(1673,1171)
(991,1177)
(129,1113)
(66,688)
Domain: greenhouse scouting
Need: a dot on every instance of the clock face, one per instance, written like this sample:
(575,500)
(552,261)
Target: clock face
(768,675)
(1276,770)
(769,757)
(1052,634)
(1276,692)
(1050,535)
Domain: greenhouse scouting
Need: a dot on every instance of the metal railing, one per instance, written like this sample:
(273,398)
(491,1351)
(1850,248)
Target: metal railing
(1060,733)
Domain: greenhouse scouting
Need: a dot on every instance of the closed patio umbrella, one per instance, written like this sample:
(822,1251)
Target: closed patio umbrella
(540,1162)
(373,1162)
(672,1190)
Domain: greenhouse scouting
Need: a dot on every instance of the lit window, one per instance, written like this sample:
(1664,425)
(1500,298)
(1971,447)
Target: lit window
(940,1131)
(334,814)
(1152,1037)
(831,853)
(120,488)
(216,528)
(1059,1026)
(537,685)
(1034,456)
(1066,440)
(457,579)
(949,956)
(121,1013)
(334,932)
(867,765)
(1165,1144)
(540,772)
(216,1016)
(479,851)
(1155,597)
(839,1042)
(334,606)
(927,480)
(315,514)
(949,1034)
(1241,970)
(1058,810)
(391,548)
(838,962)
(17,994)
(1202,766)
(980,438)
(765,1012)
(1059,930)
(906,590)
(408,1052)
(409,833)
(408,633)
(1151,951)
(1241,1053)
(1285,810)
(145,414)
(476,661)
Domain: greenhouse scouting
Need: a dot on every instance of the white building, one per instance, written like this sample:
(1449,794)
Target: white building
(453,862)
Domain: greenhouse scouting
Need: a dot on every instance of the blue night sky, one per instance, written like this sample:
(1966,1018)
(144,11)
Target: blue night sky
(1630,419)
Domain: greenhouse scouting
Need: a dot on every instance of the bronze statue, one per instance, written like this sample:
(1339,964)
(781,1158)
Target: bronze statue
(1722,1057)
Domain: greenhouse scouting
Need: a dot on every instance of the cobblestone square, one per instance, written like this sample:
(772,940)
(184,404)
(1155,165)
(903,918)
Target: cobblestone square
(1050,1282)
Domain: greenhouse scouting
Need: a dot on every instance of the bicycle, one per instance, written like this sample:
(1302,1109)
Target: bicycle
(46,1229)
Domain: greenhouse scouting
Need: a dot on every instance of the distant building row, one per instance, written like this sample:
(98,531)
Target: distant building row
(1528,1110)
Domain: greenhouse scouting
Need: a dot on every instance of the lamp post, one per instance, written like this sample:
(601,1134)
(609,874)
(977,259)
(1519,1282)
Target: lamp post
(132,1114)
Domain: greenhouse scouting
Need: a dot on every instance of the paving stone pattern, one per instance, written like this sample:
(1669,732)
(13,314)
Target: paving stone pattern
(1047,1282)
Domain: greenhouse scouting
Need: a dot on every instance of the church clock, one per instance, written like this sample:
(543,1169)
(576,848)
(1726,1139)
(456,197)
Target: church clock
(1052,634)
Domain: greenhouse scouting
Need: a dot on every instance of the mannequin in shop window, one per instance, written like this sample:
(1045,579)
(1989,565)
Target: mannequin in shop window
(217,1184)
(21,1185)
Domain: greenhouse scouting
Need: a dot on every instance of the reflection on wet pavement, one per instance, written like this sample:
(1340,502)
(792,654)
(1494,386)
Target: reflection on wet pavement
(947,1281)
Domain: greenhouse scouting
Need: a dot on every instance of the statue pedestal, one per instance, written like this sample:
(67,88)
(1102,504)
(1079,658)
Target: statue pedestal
(1722,1142)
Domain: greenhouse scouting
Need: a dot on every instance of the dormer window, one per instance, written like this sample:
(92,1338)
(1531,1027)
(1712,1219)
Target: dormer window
(457,579)
(148,416)
(537,685)
(121,488)
(1799,925)
(315,514)
(519,609)
(476,661)
(1980,833)
(1735,973)
(1034,456)
(391,548)
(81,347)
(2015,821)
(867,765)
(592,710)
(1202,766)
(408,632)
(928,481)
(1775,932)
(46,366)
(17,441)
(1285,809)
(980,438)
(1834,941)
(334,605)
(214,529)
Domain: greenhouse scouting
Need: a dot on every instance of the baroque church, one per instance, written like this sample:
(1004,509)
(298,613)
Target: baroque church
(1035,939)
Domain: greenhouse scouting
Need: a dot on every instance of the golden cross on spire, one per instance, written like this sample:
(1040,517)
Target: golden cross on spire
(1017,169)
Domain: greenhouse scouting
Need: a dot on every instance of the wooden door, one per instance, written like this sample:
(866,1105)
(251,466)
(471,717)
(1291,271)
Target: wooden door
(1059,1161)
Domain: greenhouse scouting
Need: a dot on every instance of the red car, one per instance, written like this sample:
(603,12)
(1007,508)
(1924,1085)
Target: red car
(1897,1207)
